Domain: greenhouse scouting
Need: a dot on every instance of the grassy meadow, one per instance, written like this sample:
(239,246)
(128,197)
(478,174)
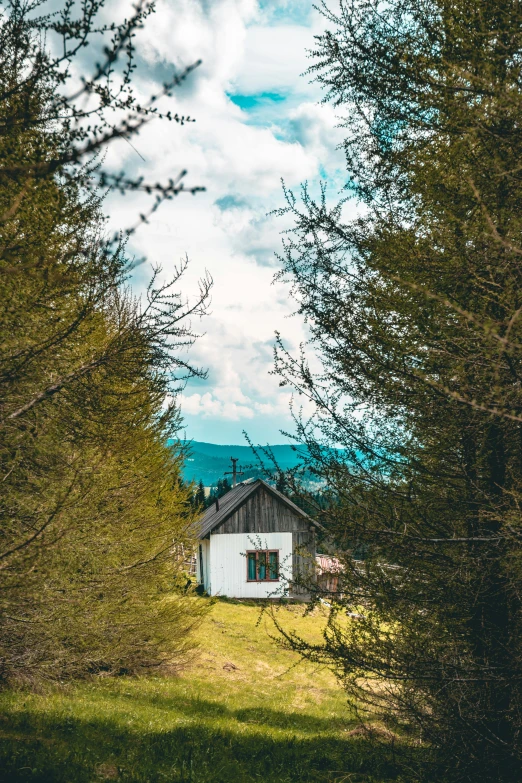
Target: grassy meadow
(244,710)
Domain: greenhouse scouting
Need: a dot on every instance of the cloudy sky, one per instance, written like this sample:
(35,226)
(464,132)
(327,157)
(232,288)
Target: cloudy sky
(258,121)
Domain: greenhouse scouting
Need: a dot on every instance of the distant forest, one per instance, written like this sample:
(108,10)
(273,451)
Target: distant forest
(208,462)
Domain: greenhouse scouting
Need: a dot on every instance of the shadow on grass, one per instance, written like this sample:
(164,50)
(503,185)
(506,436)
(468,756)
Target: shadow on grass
(208,710)
(47,748)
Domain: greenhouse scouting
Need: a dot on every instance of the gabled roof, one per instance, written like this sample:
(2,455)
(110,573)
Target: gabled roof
(235,498)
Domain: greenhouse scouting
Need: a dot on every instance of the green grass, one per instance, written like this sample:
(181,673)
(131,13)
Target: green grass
(244,711)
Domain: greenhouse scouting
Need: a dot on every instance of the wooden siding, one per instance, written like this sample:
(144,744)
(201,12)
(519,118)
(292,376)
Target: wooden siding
(263,513)
(303,562)
(220,511)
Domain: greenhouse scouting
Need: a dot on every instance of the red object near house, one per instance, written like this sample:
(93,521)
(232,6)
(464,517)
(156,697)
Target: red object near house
(328,570)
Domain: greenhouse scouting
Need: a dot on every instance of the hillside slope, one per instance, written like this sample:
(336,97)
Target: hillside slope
(245,710)
(209,462)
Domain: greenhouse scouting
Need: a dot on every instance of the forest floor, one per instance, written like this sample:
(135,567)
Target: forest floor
(245,710)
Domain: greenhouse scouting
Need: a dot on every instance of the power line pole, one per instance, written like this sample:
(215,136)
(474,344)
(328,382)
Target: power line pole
(234,472)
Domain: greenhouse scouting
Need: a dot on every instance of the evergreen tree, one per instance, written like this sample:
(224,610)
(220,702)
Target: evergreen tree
(282,482)
(414,306)
(200,494)
(92,511)
(217,492)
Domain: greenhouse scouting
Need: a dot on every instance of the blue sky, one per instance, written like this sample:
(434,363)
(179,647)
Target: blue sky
(258,120)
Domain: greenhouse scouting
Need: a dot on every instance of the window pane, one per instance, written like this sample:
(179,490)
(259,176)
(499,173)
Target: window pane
(251,565)
(273,565)
(261,565)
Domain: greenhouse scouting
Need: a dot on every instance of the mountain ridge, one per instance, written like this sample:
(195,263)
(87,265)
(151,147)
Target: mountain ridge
(209,462)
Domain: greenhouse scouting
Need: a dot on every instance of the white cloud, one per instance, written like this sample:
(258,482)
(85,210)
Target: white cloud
(240,157)
(209,407)
(276,56)
(315,127)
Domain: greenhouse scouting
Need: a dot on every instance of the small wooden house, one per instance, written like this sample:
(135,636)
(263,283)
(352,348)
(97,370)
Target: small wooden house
(255,543)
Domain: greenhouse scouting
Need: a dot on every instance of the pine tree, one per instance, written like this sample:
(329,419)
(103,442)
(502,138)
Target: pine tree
(93,514)
(282,483)
(200,494)
(414,306)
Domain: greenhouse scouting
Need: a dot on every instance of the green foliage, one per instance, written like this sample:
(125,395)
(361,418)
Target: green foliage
(199,496)
(93,515)
(218,491)
(414,306)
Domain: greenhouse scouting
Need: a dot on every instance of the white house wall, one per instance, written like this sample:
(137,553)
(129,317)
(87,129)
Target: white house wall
(228,564)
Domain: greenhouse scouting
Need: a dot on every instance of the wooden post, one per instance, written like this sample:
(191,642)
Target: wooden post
(234,472)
